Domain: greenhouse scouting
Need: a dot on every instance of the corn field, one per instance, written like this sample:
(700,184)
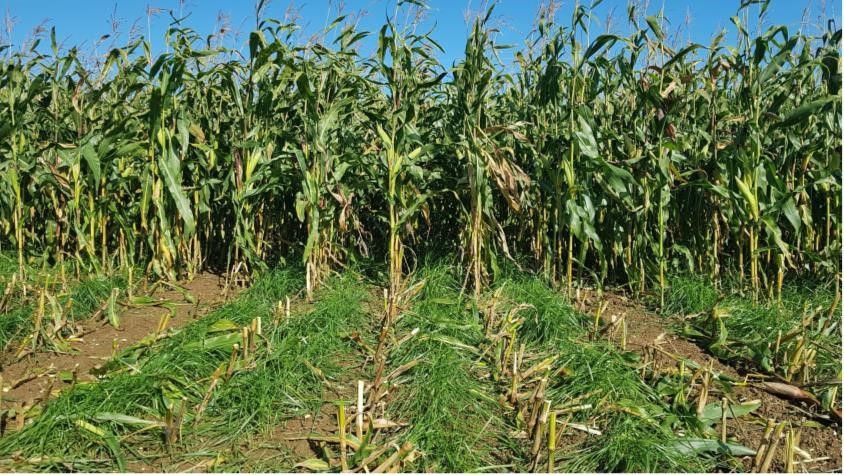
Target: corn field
(604,250)
(590,157)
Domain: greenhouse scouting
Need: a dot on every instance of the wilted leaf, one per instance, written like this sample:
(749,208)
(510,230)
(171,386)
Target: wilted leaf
(314,465)
(700,446)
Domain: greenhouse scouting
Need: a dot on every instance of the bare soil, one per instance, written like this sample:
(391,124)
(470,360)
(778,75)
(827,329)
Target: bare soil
(282,447)
(644,328)
(36,377)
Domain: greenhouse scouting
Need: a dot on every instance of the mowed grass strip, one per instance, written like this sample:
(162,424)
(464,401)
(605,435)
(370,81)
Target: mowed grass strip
(637,430)
(75,298)
(771,335)
(304,352)
(453,416)
(138,397)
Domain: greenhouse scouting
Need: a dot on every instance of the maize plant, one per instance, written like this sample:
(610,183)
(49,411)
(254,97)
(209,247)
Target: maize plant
(409,71)
(612,158)
(485,148)
(406,70)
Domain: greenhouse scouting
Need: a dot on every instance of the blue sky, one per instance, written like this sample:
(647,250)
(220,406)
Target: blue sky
(83,22)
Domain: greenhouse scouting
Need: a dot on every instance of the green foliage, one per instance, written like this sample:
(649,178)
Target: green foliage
(144,381)
(771,335)
(637,427)
(453,415)
(78,298)
(616,160)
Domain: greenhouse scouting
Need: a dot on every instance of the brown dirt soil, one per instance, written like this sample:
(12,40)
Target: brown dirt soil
(286,444)
(35,377)
(644,328)
(279,448)
(283,446)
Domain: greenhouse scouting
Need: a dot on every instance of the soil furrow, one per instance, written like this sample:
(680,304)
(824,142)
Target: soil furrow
(38,376)
(644,328)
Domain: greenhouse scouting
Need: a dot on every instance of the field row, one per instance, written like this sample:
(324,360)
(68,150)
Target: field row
(609,156)
(522,379)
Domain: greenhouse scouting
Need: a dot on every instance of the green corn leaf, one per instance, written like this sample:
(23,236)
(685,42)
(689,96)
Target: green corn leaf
(223,325)
(775,234)
(314,465)
(653,24)
(712,412)
(803,112)
(106,438)
(126,420)
(598,44)
(170,168)
(586,139)
(752,204)
(93,162)
(111,308)
(789,209)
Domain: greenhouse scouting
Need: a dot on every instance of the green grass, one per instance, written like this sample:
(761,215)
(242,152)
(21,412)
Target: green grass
(87,295)
(688,294)
(283,385)
(448,400)
(13,323)
(597,373)
(81,297)
(17,314)
(453,415)
(750,328)
(8,266)
(147,382)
